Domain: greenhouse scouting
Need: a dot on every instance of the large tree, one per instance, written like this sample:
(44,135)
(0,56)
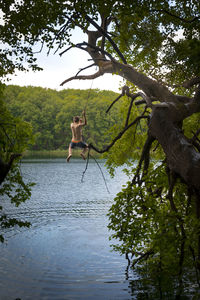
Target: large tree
(155,47)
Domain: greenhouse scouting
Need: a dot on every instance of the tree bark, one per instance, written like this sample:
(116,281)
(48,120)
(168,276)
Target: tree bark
(182,158)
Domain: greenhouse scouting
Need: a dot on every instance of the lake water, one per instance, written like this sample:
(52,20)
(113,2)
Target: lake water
(66,253)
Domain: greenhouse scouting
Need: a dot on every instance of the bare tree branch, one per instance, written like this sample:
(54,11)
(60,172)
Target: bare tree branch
(92,65)
(104,33)
(97,61)
(118,136)
(125,90)
(82,77)
(66,50)
(39,51)
(114,102)
(100,50)
(79,46)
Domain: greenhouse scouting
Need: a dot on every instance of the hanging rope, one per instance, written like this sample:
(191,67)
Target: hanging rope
(88,95)
(89,155)
(87,162)
(101,173)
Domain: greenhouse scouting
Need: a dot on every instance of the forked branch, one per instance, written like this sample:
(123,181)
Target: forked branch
(82,77)
(106,149)
(106,35)
(125,91)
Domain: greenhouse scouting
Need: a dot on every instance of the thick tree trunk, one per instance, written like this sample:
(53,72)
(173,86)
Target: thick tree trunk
(182,158)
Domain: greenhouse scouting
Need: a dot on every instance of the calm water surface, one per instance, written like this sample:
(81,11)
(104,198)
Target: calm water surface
(66,253)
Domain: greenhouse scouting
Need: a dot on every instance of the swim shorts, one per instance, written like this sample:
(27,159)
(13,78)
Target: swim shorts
(78,144)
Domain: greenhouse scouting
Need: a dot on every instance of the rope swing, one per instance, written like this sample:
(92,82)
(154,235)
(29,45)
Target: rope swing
(88,95)
(89,155)
(87,162)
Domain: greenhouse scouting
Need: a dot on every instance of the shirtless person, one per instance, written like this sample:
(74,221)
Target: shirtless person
(77,140)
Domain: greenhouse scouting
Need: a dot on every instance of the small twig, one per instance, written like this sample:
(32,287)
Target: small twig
(113,103)
(39,51)
(66,50)
(133,97)
(92,65)
(79,46)
(125,91)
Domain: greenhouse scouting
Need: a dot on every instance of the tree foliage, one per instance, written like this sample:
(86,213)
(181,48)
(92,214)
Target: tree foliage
(15,135)
(155,47)
(50,114)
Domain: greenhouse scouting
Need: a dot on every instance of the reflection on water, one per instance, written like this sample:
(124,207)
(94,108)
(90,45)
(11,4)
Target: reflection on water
(66,253)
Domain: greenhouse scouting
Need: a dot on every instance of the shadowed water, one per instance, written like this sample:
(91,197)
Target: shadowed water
(66,253)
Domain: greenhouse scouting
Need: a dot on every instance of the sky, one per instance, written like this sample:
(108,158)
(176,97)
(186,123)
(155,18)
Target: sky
(57,68)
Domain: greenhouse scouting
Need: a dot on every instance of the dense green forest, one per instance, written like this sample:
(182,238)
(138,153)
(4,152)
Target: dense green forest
(50,113)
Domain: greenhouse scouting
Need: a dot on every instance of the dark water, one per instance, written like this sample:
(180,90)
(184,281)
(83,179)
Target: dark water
(66,253)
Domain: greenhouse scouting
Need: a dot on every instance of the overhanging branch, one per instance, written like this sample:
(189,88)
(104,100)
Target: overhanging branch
(82,77)
(106,149)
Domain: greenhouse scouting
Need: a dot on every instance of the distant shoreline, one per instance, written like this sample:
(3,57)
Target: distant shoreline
(53,154)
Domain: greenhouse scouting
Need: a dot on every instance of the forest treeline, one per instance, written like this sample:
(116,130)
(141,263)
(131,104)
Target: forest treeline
(50,113)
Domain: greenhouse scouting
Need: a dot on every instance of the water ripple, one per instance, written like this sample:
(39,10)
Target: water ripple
(66,252)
